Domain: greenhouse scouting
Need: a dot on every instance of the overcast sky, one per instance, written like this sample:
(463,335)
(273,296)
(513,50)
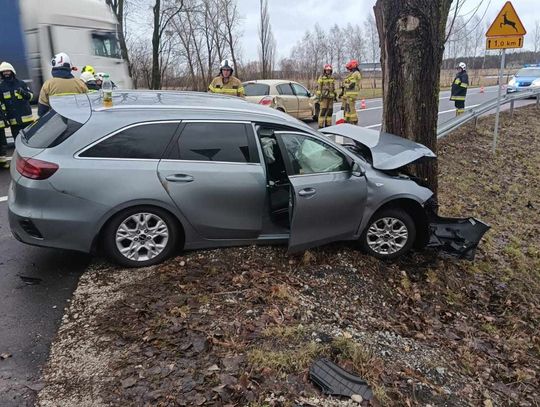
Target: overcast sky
(291,18)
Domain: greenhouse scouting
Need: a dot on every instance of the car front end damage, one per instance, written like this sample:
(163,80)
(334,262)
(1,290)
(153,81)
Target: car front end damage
(458,237)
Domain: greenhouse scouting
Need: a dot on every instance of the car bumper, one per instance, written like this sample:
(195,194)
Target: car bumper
(41,216)
(514,89)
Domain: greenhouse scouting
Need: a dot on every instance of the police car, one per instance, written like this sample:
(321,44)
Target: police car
(527,78)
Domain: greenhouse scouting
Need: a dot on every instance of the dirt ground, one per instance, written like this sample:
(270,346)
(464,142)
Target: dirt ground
(241,326)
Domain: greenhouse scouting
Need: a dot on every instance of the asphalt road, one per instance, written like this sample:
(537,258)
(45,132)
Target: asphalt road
(36,283)
(35,286)
(371,116)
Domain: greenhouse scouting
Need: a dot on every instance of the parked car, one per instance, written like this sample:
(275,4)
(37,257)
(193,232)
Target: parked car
(526,78)
(286,96)
(162,171)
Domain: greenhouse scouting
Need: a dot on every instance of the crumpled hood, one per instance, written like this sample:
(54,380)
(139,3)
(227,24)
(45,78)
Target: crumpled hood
(388,151)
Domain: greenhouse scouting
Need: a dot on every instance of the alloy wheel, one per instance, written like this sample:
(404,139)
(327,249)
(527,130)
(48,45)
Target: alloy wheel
(387,236)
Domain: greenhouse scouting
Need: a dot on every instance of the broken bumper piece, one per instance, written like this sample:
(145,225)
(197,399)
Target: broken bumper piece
(335,381)
(458,237)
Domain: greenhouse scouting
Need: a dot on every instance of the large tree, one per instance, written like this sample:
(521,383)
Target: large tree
(117,7)
(267,44)
(412,36)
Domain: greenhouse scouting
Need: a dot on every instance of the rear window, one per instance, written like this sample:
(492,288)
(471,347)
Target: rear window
(256,89)
(50,130)
(285,89)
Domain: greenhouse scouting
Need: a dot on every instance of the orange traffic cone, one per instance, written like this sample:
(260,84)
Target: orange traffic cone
(363,104)
(481,89)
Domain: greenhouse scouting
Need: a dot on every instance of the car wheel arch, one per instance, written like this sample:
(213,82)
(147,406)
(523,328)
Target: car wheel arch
(111,214)
(417,213)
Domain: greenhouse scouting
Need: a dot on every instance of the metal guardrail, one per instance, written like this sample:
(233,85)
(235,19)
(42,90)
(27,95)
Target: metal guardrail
(473,114)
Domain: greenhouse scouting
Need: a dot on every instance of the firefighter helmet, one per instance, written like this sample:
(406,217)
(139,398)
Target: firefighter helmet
(462,65)
(99,76)
(326,67)
(226,64)
(352,64)
(6,66)
(87,76)
(61,60)
(88,68)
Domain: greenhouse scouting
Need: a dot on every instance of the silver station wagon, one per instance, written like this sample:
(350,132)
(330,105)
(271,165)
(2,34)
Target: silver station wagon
(164,171)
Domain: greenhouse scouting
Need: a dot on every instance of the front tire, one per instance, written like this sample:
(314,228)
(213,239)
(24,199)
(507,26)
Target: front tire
(389,234)
(141,236)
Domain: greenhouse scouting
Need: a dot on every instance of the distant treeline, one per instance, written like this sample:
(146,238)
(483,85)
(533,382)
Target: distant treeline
(513,59)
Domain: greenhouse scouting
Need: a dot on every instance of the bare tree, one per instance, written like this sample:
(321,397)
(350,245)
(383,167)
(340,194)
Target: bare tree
(231,21)
(536,36)
(267,42)
(412,36)
(370,29)
(117,7)
(162,16)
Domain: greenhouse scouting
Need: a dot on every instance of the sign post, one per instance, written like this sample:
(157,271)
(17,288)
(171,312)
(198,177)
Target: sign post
(505,32)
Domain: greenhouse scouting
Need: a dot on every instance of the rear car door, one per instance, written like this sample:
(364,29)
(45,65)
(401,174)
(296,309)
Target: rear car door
(213,173)
(327,200)
(303,95)
(288,98)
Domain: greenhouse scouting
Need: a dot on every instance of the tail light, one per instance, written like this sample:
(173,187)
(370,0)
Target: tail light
(35,169)
(266,101)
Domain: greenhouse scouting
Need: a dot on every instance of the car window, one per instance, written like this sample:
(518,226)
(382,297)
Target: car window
(50,130)
(224,142)
(300,90)
(285,89)
(145,141)
(106,44)
(256,89)
(309,156)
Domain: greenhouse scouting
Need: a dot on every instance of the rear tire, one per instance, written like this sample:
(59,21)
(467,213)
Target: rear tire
(389,234)
(141,236)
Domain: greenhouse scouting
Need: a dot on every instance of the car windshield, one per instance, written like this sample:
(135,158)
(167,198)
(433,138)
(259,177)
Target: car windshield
(256,89)
(535,72)
(106,45)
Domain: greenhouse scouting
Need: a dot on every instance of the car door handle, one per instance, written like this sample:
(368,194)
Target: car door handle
(307,192)
(179,178)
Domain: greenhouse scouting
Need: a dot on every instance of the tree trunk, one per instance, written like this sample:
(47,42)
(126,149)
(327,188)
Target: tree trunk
(156,72)
(412,34)
(117,7)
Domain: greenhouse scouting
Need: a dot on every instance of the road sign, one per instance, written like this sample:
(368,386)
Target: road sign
(504,42)
(506,24)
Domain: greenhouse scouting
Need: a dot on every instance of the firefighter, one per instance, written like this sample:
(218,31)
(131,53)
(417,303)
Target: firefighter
(4,163)
(90,81)
(62,83)
(88,68)
(350,91)
(15,98)
(326,94)
(225,82)
(459,88)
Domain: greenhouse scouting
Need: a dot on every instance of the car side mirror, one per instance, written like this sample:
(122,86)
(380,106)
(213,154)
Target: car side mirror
(357,170)
(309,94)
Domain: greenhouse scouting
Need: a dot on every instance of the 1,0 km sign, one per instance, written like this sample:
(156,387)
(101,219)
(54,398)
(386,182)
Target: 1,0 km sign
(504,42)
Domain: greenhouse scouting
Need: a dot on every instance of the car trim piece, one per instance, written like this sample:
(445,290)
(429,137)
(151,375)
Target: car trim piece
(167,160)
(77,155)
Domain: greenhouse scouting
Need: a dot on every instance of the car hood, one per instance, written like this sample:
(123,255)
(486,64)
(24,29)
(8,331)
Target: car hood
(388,151)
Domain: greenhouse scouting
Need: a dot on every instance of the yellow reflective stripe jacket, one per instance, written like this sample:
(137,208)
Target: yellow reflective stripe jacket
(233,86)
(60,86)
(326,87)
(351,84)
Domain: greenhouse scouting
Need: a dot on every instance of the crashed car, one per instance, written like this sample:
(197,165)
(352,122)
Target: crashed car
(161,171)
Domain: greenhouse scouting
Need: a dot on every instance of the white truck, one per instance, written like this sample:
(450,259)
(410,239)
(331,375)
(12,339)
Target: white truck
(33,31)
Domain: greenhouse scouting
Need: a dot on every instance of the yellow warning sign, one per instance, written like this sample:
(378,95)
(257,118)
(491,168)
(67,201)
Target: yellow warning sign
(504,42)
(507,23)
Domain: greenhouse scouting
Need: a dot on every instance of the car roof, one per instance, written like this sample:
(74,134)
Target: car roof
(182,105)
(269,81)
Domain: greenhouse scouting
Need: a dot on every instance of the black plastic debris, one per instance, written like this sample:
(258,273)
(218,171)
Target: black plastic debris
(458,237)
(334,381)
(30,280)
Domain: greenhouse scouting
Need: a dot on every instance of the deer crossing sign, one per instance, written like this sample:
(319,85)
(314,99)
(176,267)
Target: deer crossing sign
(506,31)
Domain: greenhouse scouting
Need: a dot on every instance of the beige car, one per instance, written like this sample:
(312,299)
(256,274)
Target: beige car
(288,96)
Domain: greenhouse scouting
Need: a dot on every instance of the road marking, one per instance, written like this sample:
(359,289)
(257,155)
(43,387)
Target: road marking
(3,198)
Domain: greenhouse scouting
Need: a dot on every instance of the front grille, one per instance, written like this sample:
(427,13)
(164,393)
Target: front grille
(28,226)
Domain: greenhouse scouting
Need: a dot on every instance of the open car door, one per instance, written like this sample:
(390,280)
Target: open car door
(327,201)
